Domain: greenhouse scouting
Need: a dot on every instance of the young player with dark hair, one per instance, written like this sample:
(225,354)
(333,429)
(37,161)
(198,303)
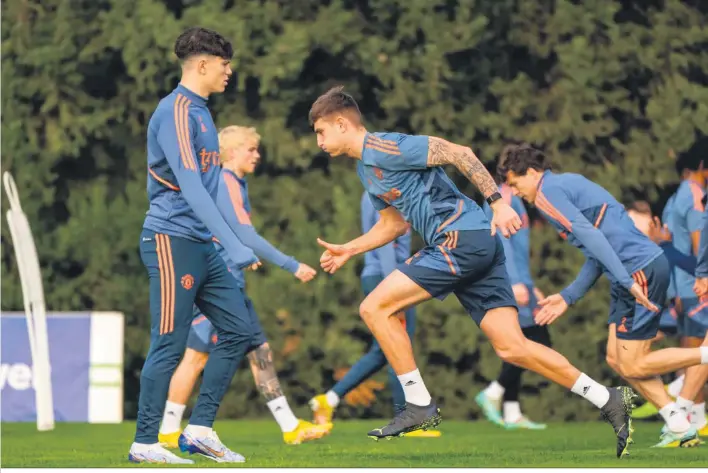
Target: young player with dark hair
(378,264)
(463,255)
(592,220)
(500,400)
(184,267)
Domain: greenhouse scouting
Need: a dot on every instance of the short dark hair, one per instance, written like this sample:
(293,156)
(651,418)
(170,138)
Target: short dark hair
(640,206)
(335,100)
(521,158)
(694,157)
(195,41)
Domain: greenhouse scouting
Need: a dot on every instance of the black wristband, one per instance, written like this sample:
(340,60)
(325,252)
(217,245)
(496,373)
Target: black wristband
(493,198)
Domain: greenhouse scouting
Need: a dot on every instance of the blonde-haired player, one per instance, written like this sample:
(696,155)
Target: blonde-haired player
(239,156)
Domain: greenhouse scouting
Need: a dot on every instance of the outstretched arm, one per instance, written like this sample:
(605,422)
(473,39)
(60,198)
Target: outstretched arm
(229,201)
(588,275)
(176,142)
(390,226)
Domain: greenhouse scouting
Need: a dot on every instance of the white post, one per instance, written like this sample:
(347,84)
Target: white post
(33,295)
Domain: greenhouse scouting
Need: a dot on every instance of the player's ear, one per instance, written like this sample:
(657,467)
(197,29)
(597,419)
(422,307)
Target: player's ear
(202,65)
(341,124)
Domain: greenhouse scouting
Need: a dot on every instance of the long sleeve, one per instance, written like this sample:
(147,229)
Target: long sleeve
(592,239)
(230,204)
(181,156)
(588,275)
(702,263)
(676,258)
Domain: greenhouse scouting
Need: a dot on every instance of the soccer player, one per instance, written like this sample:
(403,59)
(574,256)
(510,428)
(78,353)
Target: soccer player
(697,381)
(378,264)
(239,157)
(592,220)
(183,265)
(463,255)
(694,385)
(683,215)
(640,213)
(505,390)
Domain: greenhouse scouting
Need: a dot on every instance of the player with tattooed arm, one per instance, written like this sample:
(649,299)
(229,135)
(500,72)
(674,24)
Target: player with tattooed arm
(463,256)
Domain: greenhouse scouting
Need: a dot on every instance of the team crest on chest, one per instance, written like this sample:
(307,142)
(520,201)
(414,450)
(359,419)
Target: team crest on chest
(187,281)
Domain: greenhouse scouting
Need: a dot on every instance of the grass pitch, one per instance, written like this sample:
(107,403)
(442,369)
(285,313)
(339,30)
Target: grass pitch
(463,444)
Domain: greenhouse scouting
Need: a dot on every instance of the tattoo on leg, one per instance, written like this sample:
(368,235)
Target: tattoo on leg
(264,375)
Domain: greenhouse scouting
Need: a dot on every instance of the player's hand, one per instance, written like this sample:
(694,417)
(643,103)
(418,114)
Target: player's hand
(253,266)
(521,294)
(701,287)
(305,273)
(538,293)
(505,218)
(334,257)
(638,293)
(552,307)
(658,233)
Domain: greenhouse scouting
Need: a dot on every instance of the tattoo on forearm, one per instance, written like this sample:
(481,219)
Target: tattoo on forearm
(264,375)
(442,152)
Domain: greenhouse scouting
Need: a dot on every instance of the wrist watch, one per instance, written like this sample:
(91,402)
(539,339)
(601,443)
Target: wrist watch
(493,198)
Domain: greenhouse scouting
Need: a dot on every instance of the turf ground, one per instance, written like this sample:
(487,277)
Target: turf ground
(463,444)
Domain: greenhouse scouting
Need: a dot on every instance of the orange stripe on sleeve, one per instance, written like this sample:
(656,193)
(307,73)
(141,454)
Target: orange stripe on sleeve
(382,142)
(237,199)
(547,207)
(382,149)
(187,136)
(598,221)
(178,130)
(162,181)
(182,125)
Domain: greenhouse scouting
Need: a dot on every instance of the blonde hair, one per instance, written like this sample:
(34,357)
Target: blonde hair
(234,136)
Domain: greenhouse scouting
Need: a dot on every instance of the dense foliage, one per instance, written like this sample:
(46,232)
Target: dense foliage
(608,88)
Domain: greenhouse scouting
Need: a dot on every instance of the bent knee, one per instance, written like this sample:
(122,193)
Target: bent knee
(635,369)
(370,309)
(515,352)
(611,360)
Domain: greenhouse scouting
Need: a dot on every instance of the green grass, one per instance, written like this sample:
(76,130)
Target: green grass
(463,444)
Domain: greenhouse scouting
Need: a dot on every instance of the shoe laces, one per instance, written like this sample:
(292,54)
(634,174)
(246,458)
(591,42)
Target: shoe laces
(214,439)
(402,416)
